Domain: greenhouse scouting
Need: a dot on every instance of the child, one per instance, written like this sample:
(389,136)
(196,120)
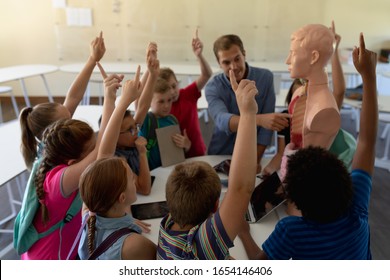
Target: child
(195,227)
(33,121)
(129,145)
(334,203)
(184,101)
(69,147)
(107,189)
(283,135)
(160,108)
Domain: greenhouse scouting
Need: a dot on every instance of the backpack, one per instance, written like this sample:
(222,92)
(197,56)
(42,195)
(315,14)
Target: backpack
(25,234)
(151,136)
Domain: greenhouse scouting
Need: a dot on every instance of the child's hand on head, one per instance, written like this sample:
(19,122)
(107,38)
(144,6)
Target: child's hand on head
(97,47)
(131,89)
(140,144)
(245,94)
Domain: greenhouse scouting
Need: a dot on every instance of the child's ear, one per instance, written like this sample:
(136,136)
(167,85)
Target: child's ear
(71,161)
(122,197)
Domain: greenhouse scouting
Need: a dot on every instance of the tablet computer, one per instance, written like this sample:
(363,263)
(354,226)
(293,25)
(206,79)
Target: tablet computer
(152,210)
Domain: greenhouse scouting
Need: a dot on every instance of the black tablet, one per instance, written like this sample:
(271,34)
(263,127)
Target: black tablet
(152,210)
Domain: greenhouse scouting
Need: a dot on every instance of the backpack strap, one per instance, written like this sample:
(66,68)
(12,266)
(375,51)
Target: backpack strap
(72,211)
(111,239)
(152,126)
(151,135)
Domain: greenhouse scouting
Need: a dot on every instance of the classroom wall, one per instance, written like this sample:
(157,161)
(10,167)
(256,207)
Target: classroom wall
(35,32)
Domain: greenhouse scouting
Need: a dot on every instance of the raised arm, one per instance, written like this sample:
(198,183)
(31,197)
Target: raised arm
(337,71)
(365,63)
(205,69)
(243,167)
(70,180)
(79,85)
(130,92)
(143,103)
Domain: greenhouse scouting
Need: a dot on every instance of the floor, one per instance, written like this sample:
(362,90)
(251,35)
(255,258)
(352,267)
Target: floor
(379,215)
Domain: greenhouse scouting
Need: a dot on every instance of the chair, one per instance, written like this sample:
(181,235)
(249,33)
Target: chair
(7,89)
(384,161)
(87,95)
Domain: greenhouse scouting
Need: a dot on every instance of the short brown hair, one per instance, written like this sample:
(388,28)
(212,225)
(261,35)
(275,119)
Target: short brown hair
(161,86)
(225,42)
(166,73)
(192,191)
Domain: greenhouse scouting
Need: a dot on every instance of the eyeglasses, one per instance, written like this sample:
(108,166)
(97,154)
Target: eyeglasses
(132,130)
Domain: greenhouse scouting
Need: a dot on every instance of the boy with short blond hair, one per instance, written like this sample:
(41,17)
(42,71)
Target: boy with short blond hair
(159,117)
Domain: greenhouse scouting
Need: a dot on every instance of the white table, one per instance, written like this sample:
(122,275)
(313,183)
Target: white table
(89,114)
(20,72)
(260,231)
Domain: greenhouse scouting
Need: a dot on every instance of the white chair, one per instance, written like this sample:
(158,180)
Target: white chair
(87,95)
(7,89)
(384,161)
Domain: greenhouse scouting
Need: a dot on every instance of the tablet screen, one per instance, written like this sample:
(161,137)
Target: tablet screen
(152,210)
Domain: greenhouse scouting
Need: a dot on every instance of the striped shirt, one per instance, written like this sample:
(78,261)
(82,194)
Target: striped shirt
(347,238)
(207,241)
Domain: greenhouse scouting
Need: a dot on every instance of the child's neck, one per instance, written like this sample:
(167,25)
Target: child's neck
(176,227)
(116,211)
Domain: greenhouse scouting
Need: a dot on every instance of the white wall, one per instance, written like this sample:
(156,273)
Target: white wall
(35,32)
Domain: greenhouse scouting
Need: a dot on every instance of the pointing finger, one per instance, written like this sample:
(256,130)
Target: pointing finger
(137,74)
(104,74)
(362,43)
(233,80)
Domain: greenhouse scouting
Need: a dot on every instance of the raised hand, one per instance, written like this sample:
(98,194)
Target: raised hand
(363,59)
(337,37)
(152,62)
(97,47)
(245,94)
(197,45)
(111,83)
(132,88)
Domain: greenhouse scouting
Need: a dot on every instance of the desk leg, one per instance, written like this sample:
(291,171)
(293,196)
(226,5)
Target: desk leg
(47,89)
(26,99)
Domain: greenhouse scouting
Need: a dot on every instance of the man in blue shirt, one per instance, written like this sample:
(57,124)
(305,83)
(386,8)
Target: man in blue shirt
(222,104)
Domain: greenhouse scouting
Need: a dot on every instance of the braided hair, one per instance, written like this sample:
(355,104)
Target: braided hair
(63,140)
(101,184)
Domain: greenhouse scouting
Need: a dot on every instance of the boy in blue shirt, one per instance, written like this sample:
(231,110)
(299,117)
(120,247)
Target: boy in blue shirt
(333,203)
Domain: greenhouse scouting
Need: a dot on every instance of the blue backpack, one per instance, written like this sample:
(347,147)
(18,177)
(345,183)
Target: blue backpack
(25,234)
